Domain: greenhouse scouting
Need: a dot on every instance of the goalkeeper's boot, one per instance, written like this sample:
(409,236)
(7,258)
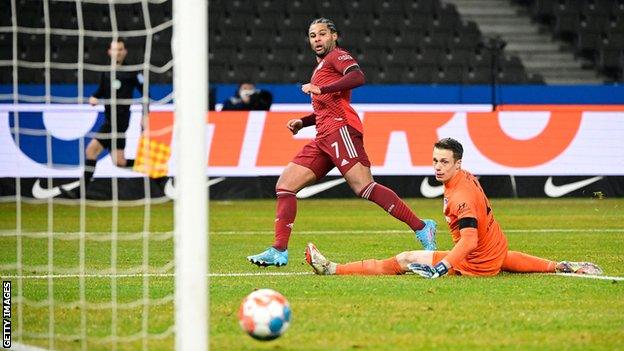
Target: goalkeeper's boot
(578,268)
(318,262)
(427,235)
(270,257)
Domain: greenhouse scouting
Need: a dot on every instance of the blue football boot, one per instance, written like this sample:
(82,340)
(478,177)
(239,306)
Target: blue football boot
(270,257)
(427,235)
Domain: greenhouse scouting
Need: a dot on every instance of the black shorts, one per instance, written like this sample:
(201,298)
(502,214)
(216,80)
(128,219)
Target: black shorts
(105,138)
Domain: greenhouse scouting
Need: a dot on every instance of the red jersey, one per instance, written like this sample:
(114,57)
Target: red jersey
(464,197)
(333,110)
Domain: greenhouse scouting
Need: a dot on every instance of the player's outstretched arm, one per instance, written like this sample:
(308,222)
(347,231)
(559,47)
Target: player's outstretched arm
(353,78)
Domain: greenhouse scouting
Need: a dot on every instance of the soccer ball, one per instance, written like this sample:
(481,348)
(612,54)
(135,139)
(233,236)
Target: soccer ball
(264,314)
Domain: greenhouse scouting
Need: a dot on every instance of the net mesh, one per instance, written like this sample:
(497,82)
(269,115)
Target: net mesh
(86,274)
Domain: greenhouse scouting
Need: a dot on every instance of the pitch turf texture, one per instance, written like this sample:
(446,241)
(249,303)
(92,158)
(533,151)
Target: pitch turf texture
(510,311)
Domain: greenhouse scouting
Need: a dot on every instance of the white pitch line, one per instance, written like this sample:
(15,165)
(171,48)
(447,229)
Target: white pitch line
(601,277)
(395,231)
(257,274)
(246,274)
(23,347)
(12,233)
(151,275)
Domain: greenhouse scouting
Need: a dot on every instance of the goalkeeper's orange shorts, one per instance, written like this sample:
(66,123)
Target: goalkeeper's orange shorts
(473,267)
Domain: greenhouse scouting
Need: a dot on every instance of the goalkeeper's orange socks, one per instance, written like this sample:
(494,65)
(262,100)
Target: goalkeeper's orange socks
(519,262)
(284,217)
(391,203)
(388,266)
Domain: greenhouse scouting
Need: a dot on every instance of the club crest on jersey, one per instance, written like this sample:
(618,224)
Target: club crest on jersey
(462,208)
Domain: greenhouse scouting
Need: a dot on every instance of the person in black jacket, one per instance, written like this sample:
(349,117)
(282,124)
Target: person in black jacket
(248,98)
(111,135)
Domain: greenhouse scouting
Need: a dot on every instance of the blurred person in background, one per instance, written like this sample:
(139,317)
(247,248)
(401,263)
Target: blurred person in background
(248,98)
(124,84)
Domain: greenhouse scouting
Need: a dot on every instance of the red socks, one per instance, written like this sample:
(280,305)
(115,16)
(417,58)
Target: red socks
(377,193)
(391,203)
(284,217)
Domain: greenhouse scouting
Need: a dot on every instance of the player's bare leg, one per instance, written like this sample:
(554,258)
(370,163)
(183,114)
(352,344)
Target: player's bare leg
(358,177)
(293,178)
(415,256)
(119,159)
(93,150)
(361,181)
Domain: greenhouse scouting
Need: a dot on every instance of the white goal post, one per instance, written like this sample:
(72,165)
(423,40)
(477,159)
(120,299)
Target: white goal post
(190,55)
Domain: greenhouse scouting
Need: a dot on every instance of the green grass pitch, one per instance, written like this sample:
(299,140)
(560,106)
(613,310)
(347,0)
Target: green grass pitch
(510,311)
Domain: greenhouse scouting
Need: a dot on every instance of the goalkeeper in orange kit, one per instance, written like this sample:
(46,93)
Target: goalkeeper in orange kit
(480,247)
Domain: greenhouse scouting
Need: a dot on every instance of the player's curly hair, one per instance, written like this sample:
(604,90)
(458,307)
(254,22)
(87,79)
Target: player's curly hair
(330,24)
(451,144)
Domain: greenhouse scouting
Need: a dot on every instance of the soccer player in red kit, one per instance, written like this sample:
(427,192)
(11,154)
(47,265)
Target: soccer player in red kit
(338,143)
(480,246)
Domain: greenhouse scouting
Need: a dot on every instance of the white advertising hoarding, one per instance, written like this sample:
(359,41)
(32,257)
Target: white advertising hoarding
(516,140)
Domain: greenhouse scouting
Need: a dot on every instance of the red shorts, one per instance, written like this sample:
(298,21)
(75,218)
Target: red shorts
(343,149)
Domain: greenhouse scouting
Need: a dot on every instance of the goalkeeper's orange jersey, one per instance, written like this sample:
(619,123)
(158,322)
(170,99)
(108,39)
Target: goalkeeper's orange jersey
(464,198)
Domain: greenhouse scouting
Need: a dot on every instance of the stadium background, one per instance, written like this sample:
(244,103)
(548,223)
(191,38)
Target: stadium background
(567,53)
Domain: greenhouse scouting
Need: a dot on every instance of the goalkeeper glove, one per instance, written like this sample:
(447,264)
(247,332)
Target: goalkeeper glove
(428,271)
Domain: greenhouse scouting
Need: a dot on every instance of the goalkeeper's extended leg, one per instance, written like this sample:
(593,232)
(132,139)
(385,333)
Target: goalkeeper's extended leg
(519,262)
(323,266)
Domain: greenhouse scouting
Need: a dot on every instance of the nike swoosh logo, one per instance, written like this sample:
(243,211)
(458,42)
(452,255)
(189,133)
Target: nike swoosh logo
(429,190)
(44,193)
(317,188)
(553,190)
(170,190)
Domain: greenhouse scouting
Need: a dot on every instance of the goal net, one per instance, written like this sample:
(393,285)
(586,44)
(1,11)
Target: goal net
(112,262)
